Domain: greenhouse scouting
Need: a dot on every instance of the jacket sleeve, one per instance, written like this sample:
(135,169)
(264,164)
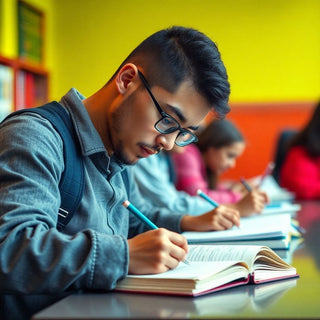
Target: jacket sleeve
(35,257)
(153,180)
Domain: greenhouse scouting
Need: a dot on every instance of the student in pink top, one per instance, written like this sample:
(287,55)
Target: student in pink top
(199,166)
(300,172)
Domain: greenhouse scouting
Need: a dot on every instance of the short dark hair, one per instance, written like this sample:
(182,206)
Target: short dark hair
(218,134)
(170,56)
(309,136)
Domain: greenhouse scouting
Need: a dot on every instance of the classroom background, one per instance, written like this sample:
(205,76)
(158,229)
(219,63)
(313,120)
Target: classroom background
(271,50)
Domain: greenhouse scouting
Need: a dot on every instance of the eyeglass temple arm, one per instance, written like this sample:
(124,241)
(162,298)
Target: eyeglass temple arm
(146,85)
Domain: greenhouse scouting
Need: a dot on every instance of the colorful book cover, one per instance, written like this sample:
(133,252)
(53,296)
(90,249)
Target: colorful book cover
(30,26)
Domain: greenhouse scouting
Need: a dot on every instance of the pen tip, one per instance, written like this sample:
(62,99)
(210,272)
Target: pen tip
(199,191)
(126,203)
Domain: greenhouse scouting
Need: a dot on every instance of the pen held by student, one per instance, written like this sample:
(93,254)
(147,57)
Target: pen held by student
(246,185)
(143,218)
(268,171)
(139,215)
(207,198)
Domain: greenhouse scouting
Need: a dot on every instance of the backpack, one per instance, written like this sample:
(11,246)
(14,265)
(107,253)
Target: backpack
(71,185)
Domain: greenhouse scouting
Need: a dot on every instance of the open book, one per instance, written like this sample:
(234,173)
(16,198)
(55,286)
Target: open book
(213,268)
(266,230)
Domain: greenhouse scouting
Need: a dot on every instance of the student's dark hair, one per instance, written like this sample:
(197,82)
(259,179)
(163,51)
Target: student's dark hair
(218,134)
(170,56)
(309,136)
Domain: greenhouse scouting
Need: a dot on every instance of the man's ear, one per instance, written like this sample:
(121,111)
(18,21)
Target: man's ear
(126,75)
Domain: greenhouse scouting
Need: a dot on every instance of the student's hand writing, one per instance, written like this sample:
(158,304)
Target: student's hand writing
(252,202)
(240,188)
(156,251)
(221,218)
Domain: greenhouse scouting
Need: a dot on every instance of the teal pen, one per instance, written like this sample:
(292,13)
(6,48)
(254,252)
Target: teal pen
(142,218)
(205,197)
(139,215)
(246,185)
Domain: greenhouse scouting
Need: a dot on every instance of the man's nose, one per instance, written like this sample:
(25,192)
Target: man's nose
(166,141)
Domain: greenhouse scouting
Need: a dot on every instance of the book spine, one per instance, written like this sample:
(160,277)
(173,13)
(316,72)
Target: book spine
(6,91)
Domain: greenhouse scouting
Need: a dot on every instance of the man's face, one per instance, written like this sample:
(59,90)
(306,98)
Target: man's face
(132,121)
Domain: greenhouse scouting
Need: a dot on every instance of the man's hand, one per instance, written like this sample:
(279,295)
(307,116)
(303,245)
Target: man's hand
(221,218)
(156,251)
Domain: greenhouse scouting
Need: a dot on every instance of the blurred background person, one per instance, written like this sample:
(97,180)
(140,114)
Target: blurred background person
(300,172)
(155,178)
(200,165)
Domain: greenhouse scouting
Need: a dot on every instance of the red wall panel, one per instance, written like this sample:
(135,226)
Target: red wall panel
(261,125)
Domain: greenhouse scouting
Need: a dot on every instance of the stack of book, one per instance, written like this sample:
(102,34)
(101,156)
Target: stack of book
(6,91)
(275,227)
(264,229)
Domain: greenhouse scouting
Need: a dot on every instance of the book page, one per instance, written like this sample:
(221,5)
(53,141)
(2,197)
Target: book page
(224,253)
(264,264)
(194,271)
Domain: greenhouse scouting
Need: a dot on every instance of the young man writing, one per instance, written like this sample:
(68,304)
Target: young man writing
(156,98)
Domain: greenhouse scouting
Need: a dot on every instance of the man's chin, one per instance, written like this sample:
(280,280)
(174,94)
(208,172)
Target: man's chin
(133,162)
(129,160)
(124,159)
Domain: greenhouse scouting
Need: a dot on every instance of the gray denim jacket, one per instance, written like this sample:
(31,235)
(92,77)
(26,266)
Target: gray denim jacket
(92,251)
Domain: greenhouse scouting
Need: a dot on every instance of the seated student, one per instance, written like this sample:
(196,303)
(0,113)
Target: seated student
(155,179)
(300,172)
(199,165)
(157,97)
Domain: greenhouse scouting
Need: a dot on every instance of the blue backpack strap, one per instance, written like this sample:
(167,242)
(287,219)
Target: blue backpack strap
(71,185)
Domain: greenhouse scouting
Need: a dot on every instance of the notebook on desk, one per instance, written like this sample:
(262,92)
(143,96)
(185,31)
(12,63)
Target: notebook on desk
(282,207)
(268,230)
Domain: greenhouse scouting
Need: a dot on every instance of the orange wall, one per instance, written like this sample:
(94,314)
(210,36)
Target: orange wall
(260,124)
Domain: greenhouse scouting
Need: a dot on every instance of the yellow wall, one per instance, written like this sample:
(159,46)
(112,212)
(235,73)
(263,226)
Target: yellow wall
(271,48)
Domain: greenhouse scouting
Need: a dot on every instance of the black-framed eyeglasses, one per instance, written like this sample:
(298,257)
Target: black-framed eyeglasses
(167,124)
